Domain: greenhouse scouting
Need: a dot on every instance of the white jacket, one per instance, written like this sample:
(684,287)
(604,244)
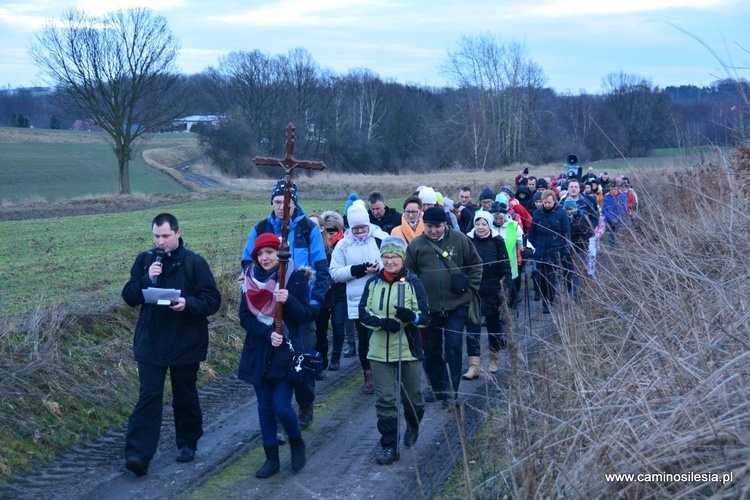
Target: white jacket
(349,252)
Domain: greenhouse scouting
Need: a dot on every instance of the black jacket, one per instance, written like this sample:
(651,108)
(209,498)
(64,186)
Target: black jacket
(164,337)
(259,358)
(390,219)
(496,271)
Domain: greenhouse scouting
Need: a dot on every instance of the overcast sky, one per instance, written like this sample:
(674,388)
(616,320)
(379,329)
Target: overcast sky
(576,43)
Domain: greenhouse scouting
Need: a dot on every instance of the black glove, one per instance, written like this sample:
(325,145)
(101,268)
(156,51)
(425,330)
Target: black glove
(405,315)
(315,311)
(527,253)
(390,325)
(359,270)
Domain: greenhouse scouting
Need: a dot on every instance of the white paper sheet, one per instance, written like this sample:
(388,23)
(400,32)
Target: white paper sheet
(155,295)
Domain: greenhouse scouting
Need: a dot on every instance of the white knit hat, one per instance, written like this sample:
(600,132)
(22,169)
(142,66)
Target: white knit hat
(428,195)
(357,215)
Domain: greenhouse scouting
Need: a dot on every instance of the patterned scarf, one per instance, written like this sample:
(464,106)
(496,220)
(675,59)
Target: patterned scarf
(258,290)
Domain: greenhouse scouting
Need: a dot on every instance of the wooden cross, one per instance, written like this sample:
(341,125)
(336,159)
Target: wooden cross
(288,163)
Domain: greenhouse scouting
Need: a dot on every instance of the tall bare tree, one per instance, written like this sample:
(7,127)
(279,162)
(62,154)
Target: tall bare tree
(502,87)
(118,71)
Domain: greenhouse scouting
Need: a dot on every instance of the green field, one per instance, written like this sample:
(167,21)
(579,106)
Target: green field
(68,169)
(84,261)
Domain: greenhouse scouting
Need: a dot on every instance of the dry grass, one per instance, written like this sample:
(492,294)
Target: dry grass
(650,371)
(66,377)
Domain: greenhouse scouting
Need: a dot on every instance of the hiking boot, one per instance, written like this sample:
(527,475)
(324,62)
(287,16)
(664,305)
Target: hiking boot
(299,459)
(368,387)
(473,372)
(305,417)
(350,350)
(494,359)
(186,454)
(135,465)
(410,436)
(387,456)
(335,363)
(272,464)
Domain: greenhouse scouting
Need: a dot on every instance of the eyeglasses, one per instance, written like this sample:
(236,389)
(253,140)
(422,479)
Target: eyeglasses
(390,258)
(411,212)
(360,229)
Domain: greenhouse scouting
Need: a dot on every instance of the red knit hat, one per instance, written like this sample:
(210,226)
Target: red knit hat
(265,240)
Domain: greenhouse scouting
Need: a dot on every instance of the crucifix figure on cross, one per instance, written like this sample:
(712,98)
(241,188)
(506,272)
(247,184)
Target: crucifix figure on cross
(288,163)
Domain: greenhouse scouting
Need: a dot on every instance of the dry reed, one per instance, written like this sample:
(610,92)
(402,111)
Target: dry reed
(650,370)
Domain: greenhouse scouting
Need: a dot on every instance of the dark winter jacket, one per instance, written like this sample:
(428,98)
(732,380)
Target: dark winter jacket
(580,231)
(423,259)
(496,271)
(390,219)
(526,201)
(306,251)
(465,217)
(259,358)
(378,302)
(164,337)
(550,234)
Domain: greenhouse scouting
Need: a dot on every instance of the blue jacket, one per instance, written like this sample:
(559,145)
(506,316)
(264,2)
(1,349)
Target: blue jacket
(312,255)
(164,337)
(615,208)
(259,358)
(549,233)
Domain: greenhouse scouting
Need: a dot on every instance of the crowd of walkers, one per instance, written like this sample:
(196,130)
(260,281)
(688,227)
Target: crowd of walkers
(402,290)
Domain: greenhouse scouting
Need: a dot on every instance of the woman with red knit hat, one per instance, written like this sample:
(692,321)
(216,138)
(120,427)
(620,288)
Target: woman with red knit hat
(266,356)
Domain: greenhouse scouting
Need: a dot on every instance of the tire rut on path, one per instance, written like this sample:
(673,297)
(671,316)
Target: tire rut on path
(342,444)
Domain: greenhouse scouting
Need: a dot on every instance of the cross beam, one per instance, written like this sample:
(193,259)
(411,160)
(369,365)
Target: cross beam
(288,163)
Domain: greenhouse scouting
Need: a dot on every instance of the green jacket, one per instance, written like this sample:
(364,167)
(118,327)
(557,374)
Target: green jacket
(423,260)
(379,301)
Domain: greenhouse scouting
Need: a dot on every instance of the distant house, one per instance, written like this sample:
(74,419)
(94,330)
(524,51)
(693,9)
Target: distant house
(185,124)
(86,125)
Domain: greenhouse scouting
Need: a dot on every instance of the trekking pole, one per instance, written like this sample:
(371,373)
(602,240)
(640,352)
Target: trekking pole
(400,301)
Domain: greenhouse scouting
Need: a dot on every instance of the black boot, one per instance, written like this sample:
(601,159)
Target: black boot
(388,429)
(298,454)
(272,464)
(335,363)
(412,427)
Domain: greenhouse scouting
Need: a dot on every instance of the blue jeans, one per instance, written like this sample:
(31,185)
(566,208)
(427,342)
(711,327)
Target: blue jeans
(443,351)
(275,402)
(338,325)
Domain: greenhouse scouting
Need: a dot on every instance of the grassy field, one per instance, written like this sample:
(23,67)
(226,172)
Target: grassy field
(54,165)
(84,261)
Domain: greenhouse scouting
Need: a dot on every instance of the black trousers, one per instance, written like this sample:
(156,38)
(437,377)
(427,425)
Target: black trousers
(144,425)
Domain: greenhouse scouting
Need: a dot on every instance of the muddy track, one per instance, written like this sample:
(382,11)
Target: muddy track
(342,444)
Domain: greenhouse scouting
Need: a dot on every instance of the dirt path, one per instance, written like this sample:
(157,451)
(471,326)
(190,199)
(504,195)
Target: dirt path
(342,445)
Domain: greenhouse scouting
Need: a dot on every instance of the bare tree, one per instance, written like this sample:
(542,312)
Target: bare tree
(502,87)
(118,70)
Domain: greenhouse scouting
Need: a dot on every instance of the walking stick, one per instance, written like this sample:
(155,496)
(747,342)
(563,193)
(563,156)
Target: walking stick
(400,301)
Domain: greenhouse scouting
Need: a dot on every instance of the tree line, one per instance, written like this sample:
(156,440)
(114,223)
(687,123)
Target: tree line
(496,111)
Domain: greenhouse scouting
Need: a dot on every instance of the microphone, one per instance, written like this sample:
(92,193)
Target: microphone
(159,256)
